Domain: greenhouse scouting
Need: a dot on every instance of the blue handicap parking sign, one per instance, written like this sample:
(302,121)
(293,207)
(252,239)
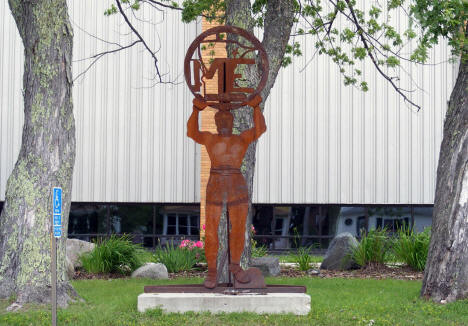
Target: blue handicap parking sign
(57,231)
(57,220)
(57,200)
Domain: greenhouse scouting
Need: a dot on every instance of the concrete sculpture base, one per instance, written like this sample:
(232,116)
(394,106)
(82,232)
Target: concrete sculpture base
(269,303)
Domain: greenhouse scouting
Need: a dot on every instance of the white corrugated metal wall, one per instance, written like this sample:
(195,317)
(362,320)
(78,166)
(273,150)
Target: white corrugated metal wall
(326,143)
(329,143)
(131,143)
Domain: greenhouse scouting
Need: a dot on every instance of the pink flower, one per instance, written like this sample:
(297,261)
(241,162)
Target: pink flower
(199,244)
(184,243)
(203,226)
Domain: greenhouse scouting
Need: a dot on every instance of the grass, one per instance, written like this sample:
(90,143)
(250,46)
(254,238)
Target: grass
(113,255)
(373,248)
(292,258)
(334,302)
(303,258)
(412,248)
(177,259)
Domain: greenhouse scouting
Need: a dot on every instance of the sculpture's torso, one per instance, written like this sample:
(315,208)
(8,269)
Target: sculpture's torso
(226,183)
(226,151)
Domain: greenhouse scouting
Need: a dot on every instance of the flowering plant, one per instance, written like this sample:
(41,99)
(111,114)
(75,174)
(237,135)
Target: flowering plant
(256,250)
(195,247)
(188,244)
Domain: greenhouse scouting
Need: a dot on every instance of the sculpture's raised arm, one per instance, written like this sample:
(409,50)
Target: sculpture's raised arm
(193,130)
(259,122)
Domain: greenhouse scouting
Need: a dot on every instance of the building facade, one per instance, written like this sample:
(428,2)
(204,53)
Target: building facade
(327,145)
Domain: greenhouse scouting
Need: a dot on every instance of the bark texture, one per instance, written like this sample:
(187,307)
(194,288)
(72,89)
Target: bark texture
(277,29)
(46,157)
(446,274)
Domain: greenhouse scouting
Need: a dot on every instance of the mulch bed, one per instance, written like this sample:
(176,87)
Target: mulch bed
(83,275)
(370,272)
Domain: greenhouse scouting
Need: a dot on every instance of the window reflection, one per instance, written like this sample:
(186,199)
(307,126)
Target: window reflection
(87,221)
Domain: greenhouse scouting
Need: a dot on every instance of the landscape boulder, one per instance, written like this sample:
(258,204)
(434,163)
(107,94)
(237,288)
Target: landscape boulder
(339,253)
(268,265)
(152,270)
(70,268)
(76,248)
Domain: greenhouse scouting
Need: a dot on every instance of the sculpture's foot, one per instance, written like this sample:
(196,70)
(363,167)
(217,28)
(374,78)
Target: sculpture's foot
(240,275)
(211,279)
(256,280)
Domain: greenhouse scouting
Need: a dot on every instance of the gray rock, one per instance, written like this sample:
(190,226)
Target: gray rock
(76,248)
(339,253)
(268,265)
(313,272)
(15,306)
(70,268)
(152,270)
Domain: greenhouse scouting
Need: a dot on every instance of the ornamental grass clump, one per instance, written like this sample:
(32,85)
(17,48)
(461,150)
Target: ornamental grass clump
(180,258)
(303,258)
(114,255)
(373,249)
(412,248)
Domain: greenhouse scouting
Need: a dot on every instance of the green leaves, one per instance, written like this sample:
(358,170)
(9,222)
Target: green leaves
(191,9)
(112,10)
(440,19)
(359,53)
(290,51)
(392,61)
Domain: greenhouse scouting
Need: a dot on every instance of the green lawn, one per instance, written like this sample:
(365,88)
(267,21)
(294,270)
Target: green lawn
(334,302)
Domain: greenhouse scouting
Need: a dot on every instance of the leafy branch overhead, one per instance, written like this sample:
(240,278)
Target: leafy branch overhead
(344,31)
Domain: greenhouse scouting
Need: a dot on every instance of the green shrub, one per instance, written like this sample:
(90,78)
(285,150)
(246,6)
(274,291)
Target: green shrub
(259,251)
(113,255)
(373,248)
(303,258)
(177,259)
(412,248)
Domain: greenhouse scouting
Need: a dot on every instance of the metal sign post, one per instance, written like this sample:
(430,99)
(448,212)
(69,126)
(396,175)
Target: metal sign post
(56,233)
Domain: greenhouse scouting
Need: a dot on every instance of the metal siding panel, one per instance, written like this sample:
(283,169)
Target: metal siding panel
(369,148)
(11,97)
(326,143)
(119,136)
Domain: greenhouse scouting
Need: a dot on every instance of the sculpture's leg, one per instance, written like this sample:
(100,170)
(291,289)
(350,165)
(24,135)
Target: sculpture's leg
(213,215)
(237,217)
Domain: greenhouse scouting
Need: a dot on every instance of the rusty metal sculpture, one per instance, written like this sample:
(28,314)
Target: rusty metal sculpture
(226,185)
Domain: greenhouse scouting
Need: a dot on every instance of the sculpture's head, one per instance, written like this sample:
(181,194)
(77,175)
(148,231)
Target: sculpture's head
(224,122)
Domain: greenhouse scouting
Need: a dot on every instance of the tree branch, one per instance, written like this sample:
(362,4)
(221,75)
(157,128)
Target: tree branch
(101,54)
(361,33)
(153,55)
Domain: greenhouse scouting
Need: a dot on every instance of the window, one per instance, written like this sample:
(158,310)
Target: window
(181,224)
(279,221)
(131,219)
(360,225)
(87,220)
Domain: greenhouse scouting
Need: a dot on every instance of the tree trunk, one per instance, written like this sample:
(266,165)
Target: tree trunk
(446,274)
(46,157)
(277,28)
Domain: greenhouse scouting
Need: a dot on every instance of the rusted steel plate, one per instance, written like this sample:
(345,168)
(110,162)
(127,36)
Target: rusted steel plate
(234,96)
